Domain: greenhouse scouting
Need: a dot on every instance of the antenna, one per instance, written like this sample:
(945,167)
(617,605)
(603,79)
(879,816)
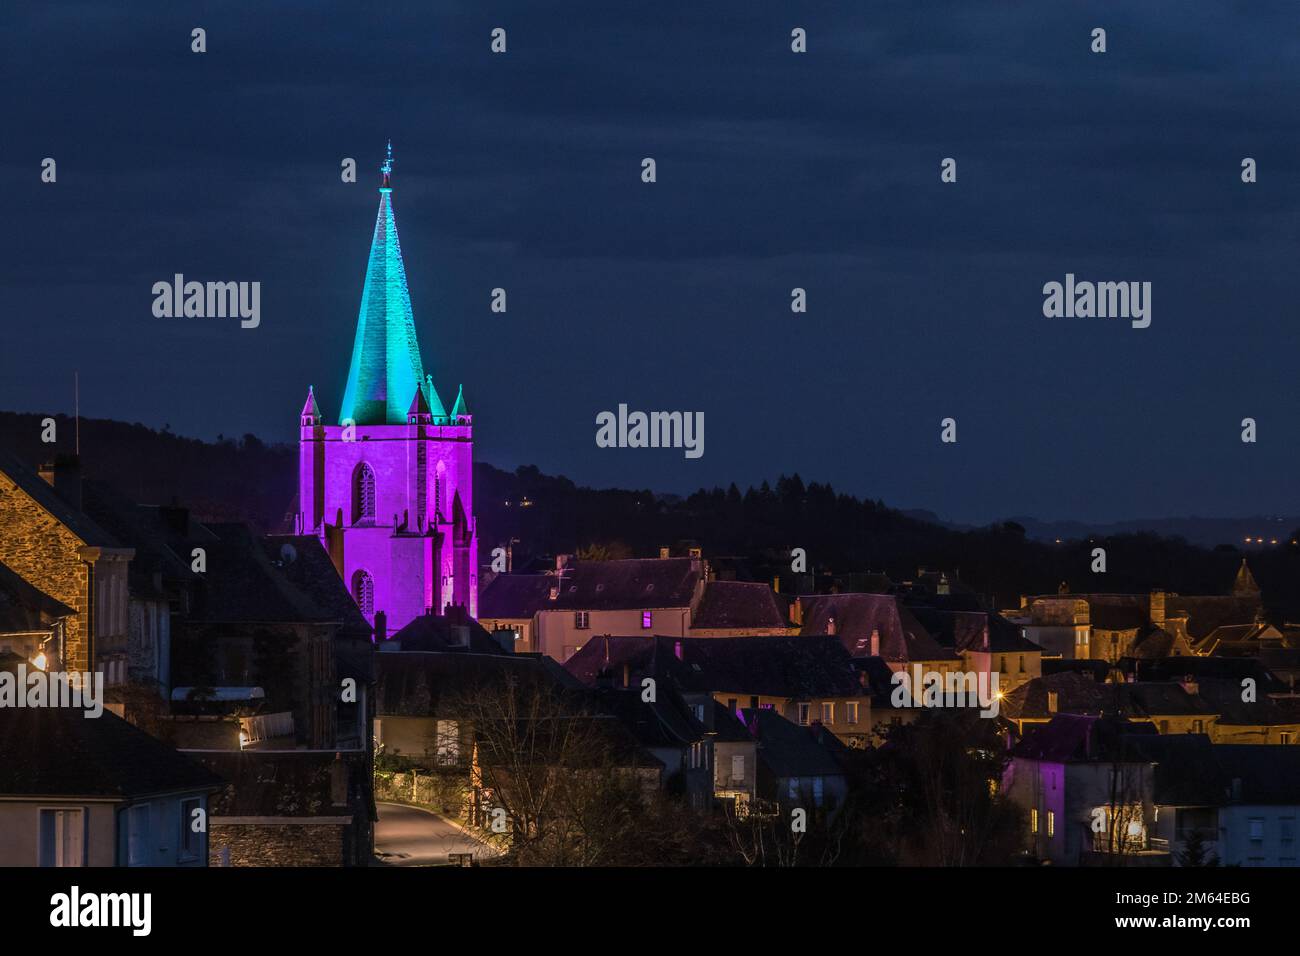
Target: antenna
(76,406)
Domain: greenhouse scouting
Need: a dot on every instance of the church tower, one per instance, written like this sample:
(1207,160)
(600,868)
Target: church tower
(389,489)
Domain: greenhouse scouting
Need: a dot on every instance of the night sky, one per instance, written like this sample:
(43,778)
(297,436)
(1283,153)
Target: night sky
(775,170)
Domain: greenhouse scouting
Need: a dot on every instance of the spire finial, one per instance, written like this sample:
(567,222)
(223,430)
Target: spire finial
(387,168)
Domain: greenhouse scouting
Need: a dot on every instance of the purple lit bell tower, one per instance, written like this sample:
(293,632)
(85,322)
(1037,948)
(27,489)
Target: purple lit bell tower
(389,489)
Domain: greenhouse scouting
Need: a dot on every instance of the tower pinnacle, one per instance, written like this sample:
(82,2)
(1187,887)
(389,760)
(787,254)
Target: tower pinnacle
(386,170)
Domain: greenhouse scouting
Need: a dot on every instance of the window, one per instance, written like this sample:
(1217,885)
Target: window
(1051,823)
(447,741)
(1285,737)
(803,714)
(1287,825)
(828,712)
(793,791)
(647,620)
(1033,820)
(191,841)
(851,712)
(819,791)
(1198,726)
(363,592)
(699,712)
(737,768)
(1256,829)
(582,620)
(62,838)
(1022,663)
(137,835)
(363,494)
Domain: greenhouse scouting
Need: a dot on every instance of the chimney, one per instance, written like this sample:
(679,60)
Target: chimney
(1158,608)
(776,583)
(796,611)
(175,518)
(664,553)
(1052,701)
(63,474)
(562,561)
(1190,684)
(381,627)
(678,650)
(830,626)
(627,675)
(875,642)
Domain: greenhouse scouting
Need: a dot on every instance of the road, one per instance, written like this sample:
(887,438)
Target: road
(409,836)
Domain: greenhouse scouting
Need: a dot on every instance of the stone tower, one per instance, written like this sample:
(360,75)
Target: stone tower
(389,489)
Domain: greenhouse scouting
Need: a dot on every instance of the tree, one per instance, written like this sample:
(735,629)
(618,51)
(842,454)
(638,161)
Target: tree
(1195,852)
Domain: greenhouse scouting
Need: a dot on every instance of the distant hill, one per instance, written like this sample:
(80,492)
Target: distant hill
(245,479)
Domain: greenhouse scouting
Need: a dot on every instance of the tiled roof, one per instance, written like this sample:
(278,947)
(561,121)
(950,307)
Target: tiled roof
(739,604)
(627,584)
(36,488)
(308,567)
(434,632)
(432,684)
(58,751)
(857,616)
(1080,738)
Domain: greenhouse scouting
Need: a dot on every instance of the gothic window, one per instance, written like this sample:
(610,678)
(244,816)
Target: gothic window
(363,591)
(363,494)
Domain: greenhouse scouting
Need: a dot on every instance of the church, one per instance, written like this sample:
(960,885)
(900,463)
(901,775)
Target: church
(389,488)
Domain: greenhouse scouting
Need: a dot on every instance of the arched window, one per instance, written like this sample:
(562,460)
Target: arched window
(363,494)
(363,592)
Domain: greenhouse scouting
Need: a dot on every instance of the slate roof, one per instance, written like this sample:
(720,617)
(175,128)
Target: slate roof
(434,632)
(309,569)
(856,616)
(247,582)
(24,607)
(795,667)
(1268,773)
(40,491)
(1083,738)
(517,596)
(1079,694)
(626,585)
(58,751)
(739,604)
(787,749)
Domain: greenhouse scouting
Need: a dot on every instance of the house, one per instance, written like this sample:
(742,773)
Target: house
(1087,791)
(806,679)
(77,790)
(875,625)
(735,758)
(1151,626)
(795,769)
(986,642)
(48,541)
(1169,707)
(32,624)
(1242,801)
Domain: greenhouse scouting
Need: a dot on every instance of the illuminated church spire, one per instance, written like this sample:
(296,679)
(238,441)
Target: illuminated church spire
(386,368)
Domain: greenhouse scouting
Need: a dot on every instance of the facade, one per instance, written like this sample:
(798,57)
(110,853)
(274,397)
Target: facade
(389,488)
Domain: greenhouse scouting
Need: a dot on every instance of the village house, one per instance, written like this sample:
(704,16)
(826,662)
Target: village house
(82,791)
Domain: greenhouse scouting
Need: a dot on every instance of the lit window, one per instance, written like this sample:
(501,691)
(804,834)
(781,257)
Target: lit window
(647,620)
(803,714)
(1051,823)
(851,712)
(62,838)
(828,712)
(582,620)
(1033,820)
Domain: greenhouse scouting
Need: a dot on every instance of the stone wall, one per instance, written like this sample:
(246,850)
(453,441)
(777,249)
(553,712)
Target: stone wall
(287,844)
(44,553)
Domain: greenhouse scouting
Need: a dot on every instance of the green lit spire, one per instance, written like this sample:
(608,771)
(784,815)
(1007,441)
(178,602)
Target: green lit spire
(460,408)
(386,368)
